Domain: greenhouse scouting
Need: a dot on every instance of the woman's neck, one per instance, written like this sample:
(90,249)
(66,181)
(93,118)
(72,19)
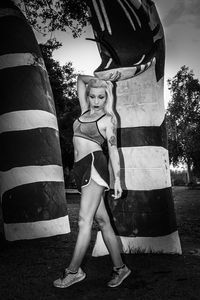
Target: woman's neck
(96,111)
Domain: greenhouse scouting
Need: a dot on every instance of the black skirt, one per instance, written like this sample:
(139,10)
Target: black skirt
(90,167)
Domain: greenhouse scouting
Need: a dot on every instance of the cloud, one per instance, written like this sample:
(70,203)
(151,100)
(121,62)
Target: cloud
(187,9)
(175,13)
(192,9)
(196,41)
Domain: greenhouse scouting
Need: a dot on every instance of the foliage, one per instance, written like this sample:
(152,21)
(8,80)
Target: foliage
(63,84)
(183,119)
(50,15)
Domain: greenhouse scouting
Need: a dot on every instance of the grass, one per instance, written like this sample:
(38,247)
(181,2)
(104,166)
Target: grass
(29,267)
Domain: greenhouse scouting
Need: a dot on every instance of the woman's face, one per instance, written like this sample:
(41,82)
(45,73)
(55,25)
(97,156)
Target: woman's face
(97,98)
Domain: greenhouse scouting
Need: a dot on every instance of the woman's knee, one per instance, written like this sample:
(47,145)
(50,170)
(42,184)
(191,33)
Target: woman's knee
(84,222)
(103,221)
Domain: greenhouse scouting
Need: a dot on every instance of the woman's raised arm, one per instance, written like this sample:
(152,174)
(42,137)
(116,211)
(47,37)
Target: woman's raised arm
(82,81)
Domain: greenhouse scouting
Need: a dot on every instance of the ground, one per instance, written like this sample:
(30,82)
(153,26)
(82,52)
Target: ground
(27,268)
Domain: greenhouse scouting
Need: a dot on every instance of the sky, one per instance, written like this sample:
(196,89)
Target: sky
(181,22)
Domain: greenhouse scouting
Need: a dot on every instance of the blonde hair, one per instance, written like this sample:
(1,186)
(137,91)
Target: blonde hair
(99,83)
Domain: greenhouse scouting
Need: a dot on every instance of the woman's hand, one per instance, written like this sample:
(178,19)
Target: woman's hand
(117,189)
(114,76)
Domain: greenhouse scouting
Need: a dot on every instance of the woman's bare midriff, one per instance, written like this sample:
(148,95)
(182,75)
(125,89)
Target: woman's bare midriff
(83,147)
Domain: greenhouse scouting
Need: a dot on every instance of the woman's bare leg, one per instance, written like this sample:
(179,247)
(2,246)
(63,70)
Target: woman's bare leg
(90,199)
(108,234)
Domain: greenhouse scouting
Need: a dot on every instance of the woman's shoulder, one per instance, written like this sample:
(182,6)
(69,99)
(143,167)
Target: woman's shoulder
(106,117)
(84,109)
(108,120)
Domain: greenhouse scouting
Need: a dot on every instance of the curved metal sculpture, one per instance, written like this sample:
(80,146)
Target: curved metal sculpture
(130,40)
(31,174)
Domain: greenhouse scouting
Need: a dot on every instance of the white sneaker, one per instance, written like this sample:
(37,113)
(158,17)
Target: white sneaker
(118,275)
(69,278)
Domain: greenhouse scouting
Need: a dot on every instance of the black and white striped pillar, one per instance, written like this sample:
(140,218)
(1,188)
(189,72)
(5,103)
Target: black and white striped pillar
(31,174)
(144,218)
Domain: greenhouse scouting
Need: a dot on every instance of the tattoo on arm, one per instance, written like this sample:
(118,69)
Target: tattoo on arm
(113,140)
(115,130)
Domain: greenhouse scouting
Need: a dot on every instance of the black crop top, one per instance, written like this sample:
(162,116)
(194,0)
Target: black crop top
(88,130)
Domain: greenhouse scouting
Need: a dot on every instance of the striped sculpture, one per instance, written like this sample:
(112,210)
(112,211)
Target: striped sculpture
(31,174)
(130,40)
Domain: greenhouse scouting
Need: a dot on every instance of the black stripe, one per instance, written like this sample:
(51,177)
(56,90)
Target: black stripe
(25,88)
(156,29)
(142,136)
(29,147)
(142,13)
(160,58)
(33,202)
(100,12)
(17,36)
(138,71)
(133,18)
(143,213)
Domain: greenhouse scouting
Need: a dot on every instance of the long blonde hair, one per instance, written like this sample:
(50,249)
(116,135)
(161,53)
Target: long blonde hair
(99,83)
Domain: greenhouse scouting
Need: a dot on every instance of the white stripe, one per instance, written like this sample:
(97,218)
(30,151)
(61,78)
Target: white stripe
(35,230)
(146,179)
(137,18)
(142,67)
(27,119)
(109,62)
(127,14)
(163,244)
(105,16)
(20,59)
(149,63)
(25,175)
(145,157)
(140,100)
(139,62)
(98,15)
(145,168)
(136,3)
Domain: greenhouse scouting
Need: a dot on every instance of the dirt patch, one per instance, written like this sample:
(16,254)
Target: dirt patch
(27,268)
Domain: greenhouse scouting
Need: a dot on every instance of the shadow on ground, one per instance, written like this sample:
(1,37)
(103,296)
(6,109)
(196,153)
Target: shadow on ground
(27,268)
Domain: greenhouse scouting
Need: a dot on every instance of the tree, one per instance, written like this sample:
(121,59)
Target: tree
(183,121)
(63,84)
(50,15)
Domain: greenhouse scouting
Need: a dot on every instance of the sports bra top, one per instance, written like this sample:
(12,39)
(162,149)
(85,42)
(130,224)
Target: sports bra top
(88,130)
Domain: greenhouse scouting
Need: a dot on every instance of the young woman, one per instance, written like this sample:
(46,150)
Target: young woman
(96,124)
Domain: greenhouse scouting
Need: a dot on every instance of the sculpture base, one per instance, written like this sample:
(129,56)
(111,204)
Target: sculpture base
(169,244)
(34,230)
